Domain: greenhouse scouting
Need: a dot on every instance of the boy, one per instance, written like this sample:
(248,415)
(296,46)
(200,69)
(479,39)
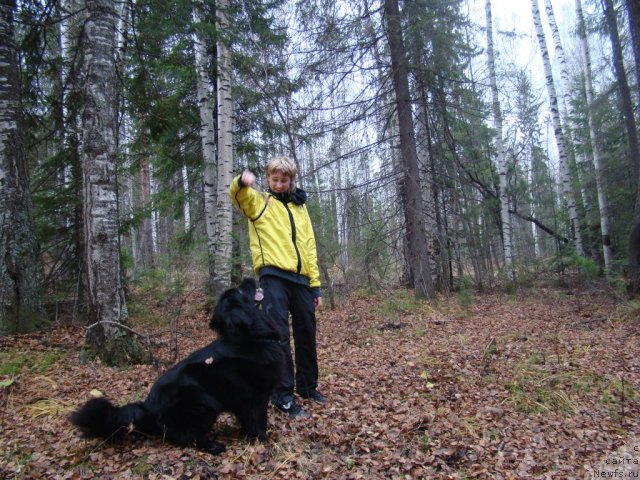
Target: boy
(283,250)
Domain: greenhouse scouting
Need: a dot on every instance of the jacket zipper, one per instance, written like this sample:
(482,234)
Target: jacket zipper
(293,238)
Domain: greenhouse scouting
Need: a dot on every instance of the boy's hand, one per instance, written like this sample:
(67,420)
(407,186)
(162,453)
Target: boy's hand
(248,179)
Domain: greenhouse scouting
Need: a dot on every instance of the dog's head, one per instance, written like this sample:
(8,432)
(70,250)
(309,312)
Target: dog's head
(236,316)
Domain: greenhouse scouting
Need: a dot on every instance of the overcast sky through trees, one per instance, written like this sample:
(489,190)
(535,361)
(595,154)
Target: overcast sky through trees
(516,44)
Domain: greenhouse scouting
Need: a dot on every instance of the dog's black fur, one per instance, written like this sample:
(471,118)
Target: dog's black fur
(236,373)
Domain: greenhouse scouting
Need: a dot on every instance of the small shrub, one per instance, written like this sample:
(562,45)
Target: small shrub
(464,296)
(401,303)
(589,269)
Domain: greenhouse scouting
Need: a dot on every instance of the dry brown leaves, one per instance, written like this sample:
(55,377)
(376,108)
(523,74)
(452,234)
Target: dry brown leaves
(535,385)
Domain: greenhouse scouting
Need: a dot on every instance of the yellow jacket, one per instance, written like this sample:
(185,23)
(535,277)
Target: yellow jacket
(280,235)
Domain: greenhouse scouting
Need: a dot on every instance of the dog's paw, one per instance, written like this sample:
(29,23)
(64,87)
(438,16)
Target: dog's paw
(212,447)
(257,437)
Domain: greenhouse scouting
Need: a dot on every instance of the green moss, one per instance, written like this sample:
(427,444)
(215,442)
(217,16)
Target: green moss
(14,361)
(30,321)
(119,351)
(142,467)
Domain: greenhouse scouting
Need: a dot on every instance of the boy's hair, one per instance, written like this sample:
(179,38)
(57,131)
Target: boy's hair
(283,165)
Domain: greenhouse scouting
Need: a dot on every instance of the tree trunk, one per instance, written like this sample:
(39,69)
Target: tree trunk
(415,230)
(71,21)
(67,127)
(633,10)
(567,110)
(146,233)
(438,245)
(186,207)
(207,135)
(559,134)
(20,301)
(595,142)
(224,217)
(502,161)
(438,172)
(106,337)
(128,201)
(385,116)
(632,138)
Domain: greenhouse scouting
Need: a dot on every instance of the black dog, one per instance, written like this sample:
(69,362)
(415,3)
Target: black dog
(235,373)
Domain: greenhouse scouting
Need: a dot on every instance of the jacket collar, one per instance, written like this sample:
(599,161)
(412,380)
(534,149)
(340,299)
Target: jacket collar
(298,197)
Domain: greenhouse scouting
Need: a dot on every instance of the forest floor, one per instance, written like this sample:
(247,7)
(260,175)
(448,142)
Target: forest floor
(541,383)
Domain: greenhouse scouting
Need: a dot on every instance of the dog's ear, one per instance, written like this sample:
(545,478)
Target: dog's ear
(248,286)
(219,312)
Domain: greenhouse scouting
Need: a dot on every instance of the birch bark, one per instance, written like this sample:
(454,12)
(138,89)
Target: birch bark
(68,127)
(20,302)
(147,228)
(502,162)
(565,176)
(223,245)
(107,336)
(567,111)
(207,134)
(186,211)
(71,21)
(107,307)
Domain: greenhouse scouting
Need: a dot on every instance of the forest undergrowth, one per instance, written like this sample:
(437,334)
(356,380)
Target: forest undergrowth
(541,383)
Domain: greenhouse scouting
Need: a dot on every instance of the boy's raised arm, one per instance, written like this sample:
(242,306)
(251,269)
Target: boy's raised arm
(248,200)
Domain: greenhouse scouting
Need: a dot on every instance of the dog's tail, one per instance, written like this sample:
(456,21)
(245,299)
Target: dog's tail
(99,418)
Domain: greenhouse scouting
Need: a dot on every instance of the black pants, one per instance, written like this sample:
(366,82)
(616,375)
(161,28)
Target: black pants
(281,297)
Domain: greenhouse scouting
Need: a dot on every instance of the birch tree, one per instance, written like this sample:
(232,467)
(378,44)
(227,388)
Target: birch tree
(106,336)
(566,105)
(413,208)
(222,271)
(596,147)
(20,301)
(207,132)
(71,19)
(502,162)
(147,246)
(186,211)
(68,125)
(565,176)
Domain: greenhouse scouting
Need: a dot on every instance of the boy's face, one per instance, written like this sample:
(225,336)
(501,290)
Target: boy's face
(279,182)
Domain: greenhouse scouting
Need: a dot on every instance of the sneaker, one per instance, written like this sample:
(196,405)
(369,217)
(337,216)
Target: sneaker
(314,395)
(293,410)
